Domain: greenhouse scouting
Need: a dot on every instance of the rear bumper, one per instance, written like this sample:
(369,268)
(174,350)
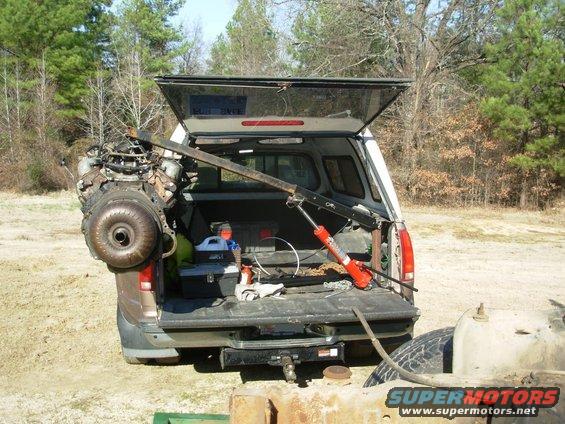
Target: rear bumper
(298,355)
(242,338)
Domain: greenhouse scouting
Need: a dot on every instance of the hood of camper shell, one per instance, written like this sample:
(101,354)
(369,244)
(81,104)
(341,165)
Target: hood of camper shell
(281,107)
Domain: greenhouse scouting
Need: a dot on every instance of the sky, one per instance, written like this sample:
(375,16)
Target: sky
(213,16)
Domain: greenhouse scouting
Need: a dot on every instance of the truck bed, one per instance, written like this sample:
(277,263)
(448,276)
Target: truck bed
(306,308)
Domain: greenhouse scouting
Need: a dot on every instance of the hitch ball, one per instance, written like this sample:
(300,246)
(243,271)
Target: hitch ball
(288,368)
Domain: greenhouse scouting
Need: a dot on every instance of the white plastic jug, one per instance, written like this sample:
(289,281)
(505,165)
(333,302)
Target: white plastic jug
(212,243)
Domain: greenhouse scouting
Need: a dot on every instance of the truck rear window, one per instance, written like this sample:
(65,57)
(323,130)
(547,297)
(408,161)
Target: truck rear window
(343,175)
(292,168)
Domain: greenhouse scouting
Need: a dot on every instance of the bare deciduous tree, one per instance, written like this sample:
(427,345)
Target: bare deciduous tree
(431,43)
(6,122)
(435,39)
(192,60)
(138,101)
(44,117)
(98,106)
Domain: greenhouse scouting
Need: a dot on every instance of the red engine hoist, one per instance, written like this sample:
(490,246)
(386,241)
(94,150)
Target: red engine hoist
(363,275)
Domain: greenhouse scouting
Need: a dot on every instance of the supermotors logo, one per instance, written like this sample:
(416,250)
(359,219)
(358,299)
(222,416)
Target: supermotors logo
(471,401)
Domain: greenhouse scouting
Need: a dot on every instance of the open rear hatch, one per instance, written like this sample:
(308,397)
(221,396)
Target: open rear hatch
(293,107)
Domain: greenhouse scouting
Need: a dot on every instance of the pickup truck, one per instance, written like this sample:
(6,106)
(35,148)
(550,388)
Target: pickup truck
(224,178)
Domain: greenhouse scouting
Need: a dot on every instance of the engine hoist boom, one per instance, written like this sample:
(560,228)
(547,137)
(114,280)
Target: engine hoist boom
(362,275)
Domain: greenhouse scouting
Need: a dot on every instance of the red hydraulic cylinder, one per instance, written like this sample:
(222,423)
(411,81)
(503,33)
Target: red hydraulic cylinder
(361,276)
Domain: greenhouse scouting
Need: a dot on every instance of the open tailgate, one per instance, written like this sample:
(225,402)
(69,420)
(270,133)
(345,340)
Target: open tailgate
(292,107)
(303,308)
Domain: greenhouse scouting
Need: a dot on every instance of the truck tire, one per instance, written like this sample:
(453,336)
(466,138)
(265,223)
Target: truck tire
(173,360)
(430,353)
(362,349)
(359,349)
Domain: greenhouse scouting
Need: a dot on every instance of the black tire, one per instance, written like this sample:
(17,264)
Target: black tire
(132,360)
(359,349)
(362,349)
(173,360)
(430,353)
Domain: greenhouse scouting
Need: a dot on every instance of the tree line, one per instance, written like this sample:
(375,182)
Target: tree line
(481,124)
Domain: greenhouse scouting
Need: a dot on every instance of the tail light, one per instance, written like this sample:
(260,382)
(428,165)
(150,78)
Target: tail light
(407,269)
(146,277)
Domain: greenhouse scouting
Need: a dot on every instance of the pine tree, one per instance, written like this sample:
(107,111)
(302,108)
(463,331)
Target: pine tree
(68,35)
(144,44)
(250,46)
(523,82)
(143,27)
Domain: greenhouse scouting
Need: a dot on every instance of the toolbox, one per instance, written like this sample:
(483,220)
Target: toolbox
(219,256)
(208,280)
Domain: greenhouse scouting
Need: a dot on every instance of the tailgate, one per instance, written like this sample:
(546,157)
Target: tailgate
(302,308)
(240,106)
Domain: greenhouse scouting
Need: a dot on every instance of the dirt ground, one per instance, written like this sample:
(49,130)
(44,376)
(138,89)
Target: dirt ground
(59,351)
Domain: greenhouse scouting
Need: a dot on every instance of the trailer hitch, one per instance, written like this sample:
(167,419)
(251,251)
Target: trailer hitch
(288,368)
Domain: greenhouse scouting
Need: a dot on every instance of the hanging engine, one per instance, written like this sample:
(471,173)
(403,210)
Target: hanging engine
(125,189)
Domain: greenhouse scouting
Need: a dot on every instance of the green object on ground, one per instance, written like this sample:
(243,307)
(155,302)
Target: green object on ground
(168,418)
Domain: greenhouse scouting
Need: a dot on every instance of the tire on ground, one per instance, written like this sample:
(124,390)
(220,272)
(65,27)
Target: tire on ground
(132,360)
(430,353)
(359,349)
(173,360)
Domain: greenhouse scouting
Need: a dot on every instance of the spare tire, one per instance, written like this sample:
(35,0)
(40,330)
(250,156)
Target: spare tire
(123,233)
(429,353)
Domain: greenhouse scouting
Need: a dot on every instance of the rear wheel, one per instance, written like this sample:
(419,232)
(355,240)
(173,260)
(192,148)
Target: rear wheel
(132,360)
(359,349)
(362,349)
(174,360)
(430,353)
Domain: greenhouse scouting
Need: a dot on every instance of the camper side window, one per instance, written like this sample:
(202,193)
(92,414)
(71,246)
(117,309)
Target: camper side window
(343,175)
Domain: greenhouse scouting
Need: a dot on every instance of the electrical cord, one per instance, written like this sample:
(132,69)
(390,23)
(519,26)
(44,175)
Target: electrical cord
(289,245)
